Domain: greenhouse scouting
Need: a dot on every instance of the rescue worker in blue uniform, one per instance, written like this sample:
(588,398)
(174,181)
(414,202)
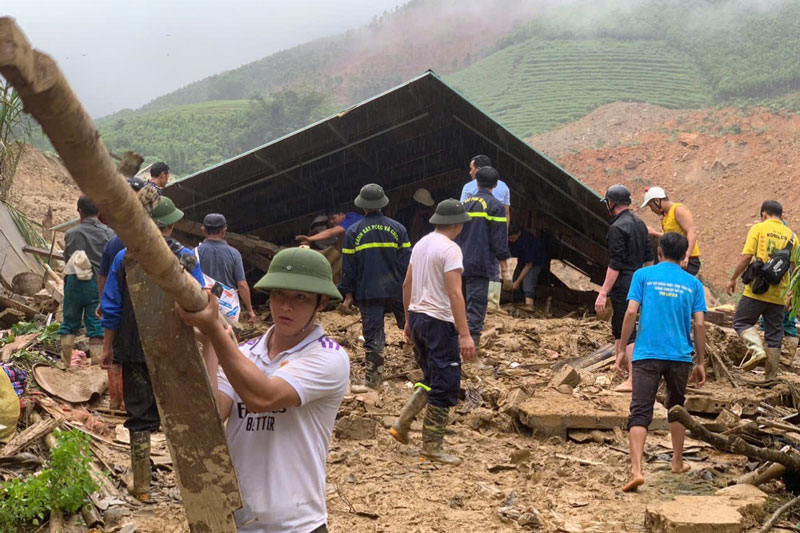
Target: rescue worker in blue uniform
(375,257)
(483,242)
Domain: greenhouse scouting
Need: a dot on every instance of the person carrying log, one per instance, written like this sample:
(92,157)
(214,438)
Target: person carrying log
(83,242)
(771,243)
(436,325)
(280,394)
(669,299)
(628,251)
(376,251)
(123,344)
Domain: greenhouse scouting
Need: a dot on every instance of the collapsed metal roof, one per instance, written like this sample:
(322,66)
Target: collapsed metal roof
(420,134)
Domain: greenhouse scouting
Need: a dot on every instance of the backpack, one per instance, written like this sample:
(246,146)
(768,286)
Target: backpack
(778,265)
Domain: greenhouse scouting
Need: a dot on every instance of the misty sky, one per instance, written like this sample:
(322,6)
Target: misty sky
(120,54)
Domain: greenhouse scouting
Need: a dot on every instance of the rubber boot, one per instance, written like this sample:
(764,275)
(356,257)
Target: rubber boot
(755,349)
(476,338)
(772,363)
(374,370)
(411,409)
(433,436)
(140,465)
(115,400)
(67,342)
(790,349)
(95,351)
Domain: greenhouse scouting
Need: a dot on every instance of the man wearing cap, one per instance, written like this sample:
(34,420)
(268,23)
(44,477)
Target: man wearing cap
(223,262)
(339,221)
(122,339)
(159,176)
(279,395)
(677,218)
(484,243)
(375,258)
(628,250)
(436,324)
(80,293)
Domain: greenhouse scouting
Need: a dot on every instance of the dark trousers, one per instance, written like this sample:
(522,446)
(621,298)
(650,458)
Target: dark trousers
(476,294)
(372,312)
(647,374)
(80,302)
(748,312)
(436,349)
(619,303)
(693,267)
(140,402)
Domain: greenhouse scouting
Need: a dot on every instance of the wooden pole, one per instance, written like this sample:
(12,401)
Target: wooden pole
(204,469)
(48,97)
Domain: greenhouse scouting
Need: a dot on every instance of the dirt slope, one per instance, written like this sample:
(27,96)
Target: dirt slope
(42,182)
(721,163)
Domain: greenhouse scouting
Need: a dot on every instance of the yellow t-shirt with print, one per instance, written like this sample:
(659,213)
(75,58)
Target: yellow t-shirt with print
(763,240)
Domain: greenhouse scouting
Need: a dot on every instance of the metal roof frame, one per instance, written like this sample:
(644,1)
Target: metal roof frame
(419,134)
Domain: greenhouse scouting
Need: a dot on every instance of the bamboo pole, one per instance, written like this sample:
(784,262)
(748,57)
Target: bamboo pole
(48,97)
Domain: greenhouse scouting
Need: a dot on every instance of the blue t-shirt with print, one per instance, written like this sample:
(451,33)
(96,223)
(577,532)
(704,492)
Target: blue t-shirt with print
(668,297)
(350,218)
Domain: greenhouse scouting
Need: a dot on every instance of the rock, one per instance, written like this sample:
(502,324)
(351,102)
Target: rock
(353,427)
(732,509)
(510,401)
(564,389)
(602,381)
(520,456)
(480,418)
(566,375)
(531,519)
(500,468)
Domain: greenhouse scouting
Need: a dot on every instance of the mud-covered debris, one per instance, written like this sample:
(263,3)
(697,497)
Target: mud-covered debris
(566,375)
(353,427)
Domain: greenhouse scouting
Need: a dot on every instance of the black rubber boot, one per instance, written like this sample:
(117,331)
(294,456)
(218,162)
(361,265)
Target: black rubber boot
(374,370)
(140,464)
(433,436)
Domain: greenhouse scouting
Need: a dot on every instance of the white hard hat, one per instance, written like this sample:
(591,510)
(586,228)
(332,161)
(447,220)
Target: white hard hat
(424,197)
(653,193)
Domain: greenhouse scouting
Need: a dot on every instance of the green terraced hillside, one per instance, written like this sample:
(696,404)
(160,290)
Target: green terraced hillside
(538,85)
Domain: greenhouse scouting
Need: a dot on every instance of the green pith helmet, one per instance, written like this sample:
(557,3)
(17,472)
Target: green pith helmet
(450,211)
(300,269)
(165,213)
(371,197)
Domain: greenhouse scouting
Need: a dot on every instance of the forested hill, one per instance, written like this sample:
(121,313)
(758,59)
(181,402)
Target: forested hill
(443,35)
(533,65)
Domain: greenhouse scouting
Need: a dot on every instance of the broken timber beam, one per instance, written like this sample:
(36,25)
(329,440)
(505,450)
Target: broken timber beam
(732,444)
(194,431)
(47,96)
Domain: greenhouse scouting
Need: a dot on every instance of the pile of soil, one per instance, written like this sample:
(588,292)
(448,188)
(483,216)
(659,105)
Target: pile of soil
(722,163)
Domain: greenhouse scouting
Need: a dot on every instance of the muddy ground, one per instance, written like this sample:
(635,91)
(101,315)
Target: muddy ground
(509,480)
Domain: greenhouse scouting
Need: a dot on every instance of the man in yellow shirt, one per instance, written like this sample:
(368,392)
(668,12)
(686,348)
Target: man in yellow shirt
(674,217)
(764,239)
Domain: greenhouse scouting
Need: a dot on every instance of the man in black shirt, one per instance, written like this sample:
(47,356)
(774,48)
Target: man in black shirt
(628,251)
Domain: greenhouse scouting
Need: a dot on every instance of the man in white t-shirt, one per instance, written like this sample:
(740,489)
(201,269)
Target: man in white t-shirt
(436,324)
(280,394)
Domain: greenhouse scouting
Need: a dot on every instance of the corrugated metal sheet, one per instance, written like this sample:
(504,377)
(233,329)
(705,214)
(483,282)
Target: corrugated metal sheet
(420,134)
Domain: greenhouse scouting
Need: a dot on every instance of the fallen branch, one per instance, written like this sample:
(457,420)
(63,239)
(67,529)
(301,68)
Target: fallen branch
(718,363)
(761,475)
(31,434)
(732,444)
(777,514)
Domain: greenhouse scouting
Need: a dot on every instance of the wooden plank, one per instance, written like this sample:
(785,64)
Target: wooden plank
(243,243)
(42,252)
(194,431)
(6,300)
(31,434)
